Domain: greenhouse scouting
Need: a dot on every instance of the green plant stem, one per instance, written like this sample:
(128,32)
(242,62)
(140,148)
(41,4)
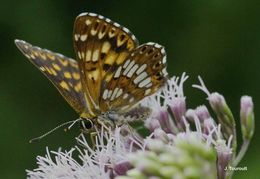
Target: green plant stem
(241,152)
(239,157)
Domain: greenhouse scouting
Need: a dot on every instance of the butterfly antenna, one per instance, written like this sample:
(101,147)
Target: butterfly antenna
(54,129)
(74,122)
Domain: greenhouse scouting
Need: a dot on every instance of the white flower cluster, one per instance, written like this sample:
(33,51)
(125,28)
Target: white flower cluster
(182,143)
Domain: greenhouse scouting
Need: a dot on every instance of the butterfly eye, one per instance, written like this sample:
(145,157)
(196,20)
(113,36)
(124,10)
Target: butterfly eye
(85,124)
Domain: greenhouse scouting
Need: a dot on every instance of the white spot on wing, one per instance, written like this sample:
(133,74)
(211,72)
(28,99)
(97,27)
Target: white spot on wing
(27,56)
(93,32)
(83,14)
(59,55)
(109,94)
(125,107)
(125,96)
(157,46)
(105,94)
(101,35)
(92,14)
(129,67)
(112,33)
(82,55)
(149,85)
(118,72)
(126,30)
(101,17)
(76,37)
(140,77)
(107,20)
(38,48)
(164,71)
(131,99)
(116,24)
(79,54)
(150,43)
(141,69)
(88,55)
(133,37)
(114,94)
(105,47)
(148,91)
(144,82)
(162,51)
(88,22)
(119,92)
(95,55)
(126,63)
(83,37)
(164,59)
(132,71)
(42,69)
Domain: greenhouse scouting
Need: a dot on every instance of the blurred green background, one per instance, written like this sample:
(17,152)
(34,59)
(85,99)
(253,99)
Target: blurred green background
(217,39)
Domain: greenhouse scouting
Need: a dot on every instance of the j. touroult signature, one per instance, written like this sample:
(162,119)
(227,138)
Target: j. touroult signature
(235,168)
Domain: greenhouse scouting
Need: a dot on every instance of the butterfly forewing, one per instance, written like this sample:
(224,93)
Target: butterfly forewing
(101,46)
(62,71)
(112,72)
(141,75)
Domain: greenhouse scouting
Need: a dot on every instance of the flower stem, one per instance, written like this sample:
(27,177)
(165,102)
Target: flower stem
(242,152)
(239,157)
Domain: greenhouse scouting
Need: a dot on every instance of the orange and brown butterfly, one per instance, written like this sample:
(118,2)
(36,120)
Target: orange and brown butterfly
(112,72)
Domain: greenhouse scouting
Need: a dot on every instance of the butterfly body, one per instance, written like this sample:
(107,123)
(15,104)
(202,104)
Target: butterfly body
(111,73)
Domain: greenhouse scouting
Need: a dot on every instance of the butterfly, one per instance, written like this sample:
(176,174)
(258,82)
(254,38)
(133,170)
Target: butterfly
(112,73)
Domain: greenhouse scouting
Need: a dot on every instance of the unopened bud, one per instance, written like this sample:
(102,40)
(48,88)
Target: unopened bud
(247,117)
(225,116)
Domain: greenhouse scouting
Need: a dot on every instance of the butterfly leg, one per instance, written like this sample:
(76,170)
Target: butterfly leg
(106,124)
(93,138)
(91,135)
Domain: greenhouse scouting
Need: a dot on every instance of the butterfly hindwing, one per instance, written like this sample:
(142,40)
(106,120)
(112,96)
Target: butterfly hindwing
(101,47)
(62,71)
(141,75)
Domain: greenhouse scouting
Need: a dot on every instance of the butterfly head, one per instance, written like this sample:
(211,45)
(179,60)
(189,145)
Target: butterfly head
(110,115)
(86,125)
